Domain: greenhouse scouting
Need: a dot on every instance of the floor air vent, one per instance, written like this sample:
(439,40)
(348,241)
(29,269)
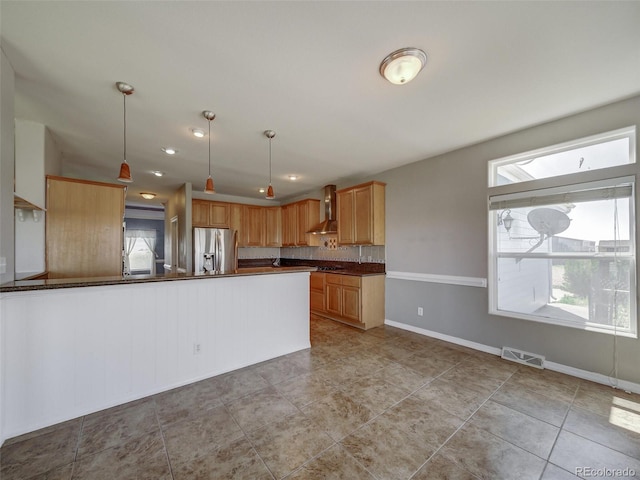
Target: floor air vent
(525,358)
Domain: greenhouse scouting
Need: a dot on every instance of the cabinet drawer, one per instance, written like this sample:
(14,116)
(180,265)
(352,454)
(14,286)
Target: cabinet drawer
(333,278)
(350,281)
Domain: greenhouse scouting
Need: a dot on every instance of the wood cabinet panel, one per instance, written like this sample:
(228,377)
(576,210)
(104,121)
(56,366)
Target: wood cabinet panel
(273,227)
(84,233)
(358,301)
(253,225)
(333,300)
(200,213)
(351,303)
(297,219)
(361,218)
(219,215)
(209,214)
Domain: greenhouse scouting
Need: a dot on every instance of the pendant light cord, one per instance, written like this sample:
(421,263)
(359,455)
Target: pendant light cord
(270,160)
(124,100)
(209,147)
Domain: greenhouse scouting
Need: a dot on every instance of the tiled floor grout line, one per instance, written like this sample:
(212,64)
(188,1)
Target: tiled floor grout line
(164,443)
(460,428)
(560,429)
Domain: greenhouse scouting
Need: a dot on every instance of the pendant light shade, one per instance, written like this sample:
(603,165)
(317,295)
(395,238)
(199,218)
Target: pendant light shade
(208,187)
(270,134)
(125,171)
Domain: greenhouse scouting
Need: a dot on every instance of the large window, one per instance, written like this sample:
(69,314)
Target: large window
(566,255)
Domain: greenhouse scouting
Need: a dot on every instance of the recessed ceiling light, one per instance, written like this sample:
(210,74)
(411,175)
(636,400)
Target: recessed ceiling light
(148,196)
(293,177)
(158,173)
(261,190)
(197,132)
(169,150)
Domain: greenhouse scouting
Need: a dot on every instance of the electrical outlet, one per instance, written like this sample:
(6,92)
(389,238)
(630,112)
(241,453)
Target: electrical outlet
(420,311)
(196,348)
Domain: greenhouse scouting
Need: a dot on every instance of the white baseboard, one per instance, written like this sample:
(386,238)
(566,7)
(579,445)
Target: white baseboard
(556,367)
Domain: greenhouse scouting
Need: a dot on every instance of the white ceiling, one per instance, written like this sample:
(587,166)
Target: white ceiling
(309,71)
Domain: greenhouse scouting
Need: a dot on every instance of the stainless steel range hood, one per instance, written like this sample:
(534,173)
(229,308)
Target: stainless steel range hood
(330,224)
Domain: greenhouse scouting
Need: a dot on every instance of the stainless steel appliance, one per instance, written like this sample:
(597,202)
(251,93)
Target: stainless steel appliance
(215,250)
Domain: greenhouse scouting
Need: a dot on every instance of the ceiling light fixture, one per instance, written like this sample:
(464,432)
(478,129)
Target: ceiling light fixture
(197,132)
(270,134)
(158,173)
(148,196)
(169,150)
(403,65)
(293,178)
(208,188)
(125,172)
(261,190)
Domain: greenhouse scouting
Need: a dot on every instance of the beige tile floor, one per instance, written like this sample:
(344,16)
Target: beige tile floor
(385,404)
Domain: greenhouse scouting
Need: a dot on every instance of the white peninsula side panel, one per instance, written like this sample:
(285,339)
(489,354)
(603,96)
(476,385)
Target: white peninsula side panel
(69,352)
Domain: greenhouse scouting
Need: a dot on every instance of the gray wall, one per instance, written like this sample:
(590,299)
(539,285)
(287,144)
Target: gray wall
(436,218)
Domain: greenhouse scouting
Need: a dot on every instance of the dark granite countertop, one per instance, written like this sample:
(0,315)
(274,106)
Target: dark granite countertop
(323,266)
(29,285)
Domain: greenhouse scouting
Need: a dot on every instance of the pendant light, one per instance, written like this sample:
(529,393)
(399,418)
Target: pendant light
(208,188)
(270,134)
(125,172)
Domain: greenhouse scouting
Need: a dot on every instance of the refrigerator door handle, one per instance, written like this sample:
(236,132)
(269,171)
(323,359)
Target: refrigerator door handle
(218,251)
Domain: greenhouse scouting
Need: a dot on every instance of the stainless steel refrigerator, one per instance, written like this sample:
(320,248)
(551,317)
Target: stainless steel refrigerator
(215,250)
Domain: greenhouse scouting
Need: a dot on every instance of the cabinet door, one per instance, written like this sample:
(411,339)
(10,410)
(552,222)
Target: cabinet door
(273,228)
(200,213)
(363,216)
(351,303)
(316,301)
(334,299)
(345,206)
(253,225)
(84,234)
(302,212)
(235,221)
(289,225)
(219,215)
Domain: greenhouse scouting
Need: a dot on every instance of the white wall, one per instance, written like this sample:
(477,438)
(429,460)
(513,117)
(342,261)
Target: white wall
(70,352)
(7,86)
(436,218)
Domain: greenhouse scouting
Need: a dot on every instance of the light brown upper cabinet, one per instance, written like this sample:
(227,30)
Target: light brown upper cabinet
(361,214)
(297,219)
(84,233)
(273,227)
(253,226)
(210,214)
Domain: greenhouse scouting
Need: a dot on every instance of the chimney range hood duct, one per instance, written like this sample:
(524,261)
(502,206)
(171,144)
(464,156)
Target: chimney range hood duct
(330,225)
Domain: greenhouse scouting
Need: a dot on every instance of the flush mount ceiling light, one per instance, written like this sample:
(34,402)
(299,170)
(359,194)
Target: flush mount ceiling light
(293,178)
(270,134)
(208,188)
(403,65)
(148,196)
(125,172)
(197,132)
(261,190)
(158,173)
(169,150)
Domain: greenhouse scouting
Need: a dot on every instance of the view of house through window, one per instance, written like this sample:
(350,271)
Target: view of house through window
(140,256)
(566,255)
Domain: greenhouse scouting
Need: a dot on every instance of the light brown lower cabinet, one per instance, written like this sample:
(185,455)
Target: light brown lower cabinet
(358,301)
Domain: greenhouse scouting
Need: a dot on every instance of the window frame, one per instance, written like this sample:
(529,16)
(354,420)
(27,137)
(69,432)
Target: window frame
(569,182)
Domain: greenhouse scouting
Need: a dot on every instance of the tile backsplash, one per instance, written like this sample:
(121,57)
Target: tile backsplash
(368,254)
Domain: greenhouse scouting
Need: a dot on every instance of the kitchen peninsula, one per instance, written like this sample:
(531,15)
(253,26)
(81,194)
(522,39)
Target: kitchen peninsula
(75,346)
